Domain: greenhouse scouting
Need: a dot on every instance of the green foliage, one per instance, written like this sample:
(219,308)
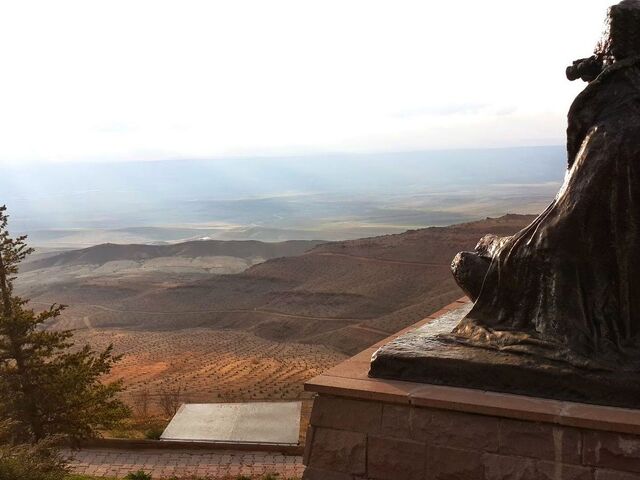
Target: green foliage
(47,387)
(139,475)
(154,433)
(138,428)
(87,477)
(28,462)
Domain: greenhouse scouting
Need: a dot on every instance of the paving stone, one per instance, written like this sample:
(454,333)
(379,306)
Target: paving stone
(318,474)
(165,464)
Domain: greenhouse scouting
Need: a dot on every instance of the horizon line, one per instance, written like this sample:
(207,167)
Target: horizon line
(243,156)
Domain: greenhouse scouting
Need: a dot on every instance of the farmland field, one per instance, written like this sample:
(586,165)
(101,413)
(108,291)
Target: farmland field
(211,365)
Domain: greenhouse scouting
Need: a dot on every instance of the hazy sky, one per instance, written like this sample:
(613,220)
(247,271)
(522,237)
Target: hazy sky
(124,80)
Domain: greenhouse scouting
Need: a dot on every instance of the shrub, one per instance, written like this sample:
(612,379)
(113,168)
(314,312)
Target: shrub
(153,433)
(170,399)
(29,462)
(139,475)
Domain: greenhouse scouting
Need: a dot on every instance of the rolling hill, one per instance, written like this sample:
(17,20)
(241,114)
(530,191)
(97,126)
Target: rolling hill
(342,295)
(111,252)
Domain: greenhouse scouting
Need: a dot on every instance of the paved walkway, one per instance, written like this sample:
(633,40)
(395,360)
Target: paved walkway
(104,462)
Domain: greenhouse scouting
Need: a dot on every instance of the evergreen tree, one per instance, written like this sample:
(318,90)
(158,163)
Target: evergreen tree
(48,387)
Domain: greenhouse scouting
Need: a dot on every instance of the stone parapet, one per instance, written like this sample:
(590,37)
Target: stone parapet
(372,429)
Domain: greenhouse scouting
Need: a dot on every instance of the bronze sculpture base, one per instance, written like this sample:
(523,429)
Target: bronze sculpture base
(420,356)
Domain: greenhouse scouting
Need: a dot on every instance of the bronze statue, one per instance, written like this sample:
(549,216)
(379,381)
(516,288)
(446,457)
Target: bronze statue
(567,287)
(556,309)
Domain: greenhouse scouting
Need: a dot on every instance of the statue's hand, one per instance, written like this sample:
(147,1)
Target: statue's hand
(586,69)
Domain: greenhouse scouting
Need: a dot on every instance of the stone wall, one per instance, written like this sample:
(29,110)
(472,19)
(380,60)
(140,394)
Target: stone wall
(354,439)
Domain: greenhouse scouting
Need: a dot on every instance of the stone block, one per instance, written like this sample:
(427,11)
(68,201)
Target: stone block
(612,450)
(540,440)
(396,421)
(459,430)
(391,458)
(501,467)
(319,474)
(453,464)
(613,475)
(562,471)
(420,420)
(506,467)
(338,451)
(308,445)
(346,414)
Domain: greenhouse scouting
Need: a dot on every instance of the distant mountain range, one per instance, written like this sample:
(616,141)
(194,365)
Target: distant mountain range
(328,197)
(99,255)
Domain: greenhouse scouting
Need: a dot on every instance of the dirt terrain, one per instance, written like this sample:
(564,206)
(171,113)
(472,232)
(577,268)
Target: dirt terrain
(261,333)
(208,366)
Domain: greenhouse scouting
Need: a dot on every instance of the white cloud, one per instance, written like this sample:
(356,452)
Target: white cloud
(152,79)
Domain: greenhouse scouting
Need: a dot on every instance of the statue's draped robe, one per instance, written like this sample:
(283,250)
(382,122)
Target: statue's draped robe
(568,285)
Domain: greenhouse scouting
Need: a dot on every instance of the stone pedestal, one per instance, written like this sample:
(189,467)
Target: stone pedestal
(423,355)
(363,428)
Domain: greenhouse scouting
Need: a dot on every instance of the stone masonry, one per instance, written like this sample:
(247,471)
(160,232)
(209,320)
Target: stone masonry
(364,428)
(357,439)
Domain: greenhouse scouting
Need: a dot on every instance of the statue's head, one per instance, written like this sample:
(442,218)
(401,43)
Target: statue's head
(621,40)
(622,35)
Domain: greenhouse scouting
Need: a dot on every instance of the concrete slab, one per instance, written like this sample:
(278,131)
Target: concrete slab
(259,423)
